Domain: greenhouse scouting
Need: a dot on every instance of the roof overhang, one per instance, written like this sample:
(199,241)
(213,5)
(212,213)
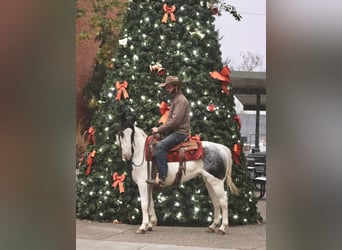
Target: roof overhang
(248,86)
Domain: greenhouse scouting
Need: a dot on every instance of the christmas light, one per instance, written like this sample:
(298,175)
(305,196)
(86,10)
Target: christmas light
(101,214)
(179,215)
(235,216)
(107,192)
(91,193)
(106,129)
(110,117)
(177,204)
(147,19)
(110,95)
(100,192)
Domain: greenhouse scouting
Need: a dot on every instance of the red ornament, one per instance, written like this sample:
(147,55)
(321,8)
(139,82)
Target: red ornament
(214,10)
(211,107)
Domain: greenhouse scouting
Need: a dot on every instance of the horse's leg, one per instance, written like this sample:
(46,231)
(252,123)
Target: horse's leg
(217,187)
(151,212)
(142,186)
(216,205)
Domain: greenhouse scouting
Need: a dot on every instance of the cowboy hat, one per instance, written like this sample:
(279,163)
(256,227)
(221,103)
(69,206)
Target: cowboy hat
(171,80)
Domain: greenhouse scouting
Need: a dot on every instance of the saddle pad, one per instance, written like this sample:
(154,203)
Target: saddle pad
(193,150)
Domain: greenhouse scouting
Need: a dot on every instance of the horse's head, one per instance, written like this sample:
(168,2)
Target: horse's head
(125,141)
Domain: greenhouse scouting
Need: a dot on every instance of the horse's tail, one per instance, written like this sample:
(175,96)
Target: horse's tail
(233,189)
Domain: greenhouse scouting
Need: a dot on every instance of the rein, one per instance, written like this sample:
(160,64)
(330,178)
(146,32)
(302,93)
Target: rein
(132,162)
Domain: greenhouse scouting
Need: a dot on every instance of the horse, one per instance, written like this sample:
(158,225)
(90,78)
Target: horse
(215,168)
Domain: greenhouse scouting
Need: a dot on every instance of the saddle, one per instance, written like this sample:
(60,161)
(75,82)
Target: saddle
(189,150)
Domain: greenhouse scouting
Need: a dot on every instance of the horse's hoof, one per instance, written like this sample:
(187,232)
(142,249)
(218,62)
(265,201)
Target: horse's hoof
(140,231)
(210,230)
(220,232)
(149,229)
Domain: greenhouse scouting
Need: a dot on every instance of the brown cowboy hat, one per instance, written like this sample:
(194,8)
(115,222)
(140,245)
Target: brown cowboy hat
(171,80)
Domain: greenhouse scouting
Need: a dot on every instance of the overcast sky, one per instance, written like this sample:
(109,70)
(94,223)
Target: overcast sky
(248,35)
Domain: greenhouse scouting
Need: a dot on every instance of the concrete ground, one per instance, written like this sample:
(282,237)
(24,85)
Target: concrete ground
(105,236)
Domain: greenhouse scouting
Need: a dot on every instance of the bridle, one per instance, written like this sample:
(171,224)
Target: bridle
(120,134)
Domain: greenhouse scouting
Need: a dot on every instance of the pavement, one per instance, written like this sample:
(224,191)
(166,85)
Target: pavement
(108,236)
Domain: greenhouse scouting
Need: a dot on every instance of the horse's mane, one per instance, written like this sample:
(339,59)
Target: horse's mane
(140,131)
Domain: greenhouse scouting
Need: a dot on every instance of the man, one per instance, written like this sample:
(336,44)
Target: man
(177,127)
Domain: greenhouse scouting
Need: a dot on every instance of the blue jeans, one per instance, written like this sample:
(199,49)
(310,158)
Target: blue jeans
(161,151)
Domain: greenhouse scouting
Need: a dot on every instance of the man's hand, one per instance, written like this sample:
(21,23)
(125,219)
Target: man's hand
(154,130)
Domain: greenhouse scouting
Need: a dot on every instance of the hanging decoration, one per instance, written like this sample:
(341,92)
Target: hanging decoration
(164,111)
(124,42)
(222,76)
(211,107)
(121,90)
(169,11)
(198,33)
(238,120)
(118,181)
(236,153)
(91,135)
(158,68)
(90,159)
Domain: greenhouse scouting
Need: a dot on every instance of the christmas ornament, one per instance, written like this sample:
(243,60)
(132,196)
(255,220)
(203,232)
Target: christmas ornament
(118,181)
(92,103)
(158,68)
(91,135)
(90,158)
(168,11)
(238,120)
(123,42)
(236,153)
(198,33)
(164,111)
(211,107)
(222,76)
(121,90)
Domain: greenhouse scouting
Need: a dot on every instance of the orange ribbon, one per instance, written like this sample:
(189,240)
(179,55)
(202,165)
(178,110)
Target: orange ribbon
(164,110)
(236,153)
(223,76)
(91,156)
(238,120)
(168,10)
(118,180)
(121,89)
(91,135)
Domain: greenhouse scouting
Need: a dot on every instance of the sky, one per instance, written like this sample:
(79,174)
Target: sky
(247,35)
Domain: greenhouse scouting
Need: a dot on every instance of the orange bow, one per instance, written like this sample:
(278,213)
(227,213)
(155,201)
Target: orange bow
(121,89)
(164,110)
(238,120)
(118,180)
(91,135)
(91,156)
(168,10)
(236,153)
(223,76)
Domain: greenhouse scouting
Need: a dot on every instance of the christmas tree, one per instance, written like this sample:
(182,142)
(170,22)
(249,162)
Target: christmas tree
(162,38)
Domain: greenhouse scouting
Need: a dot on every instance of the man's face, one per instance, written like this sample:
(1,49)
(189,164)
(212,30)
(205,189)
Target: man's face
(169,88)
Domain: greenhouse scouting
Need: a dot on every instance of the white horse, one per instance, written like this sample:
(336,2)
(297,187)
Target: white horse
(214,169)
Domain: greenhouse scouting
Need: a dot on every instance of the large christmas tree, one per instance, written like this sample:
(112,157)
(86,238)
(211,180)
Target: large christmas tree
(162,38)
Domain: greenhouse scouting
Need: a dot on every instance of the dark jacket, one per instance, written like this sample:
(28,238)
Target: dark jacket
(179,116)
